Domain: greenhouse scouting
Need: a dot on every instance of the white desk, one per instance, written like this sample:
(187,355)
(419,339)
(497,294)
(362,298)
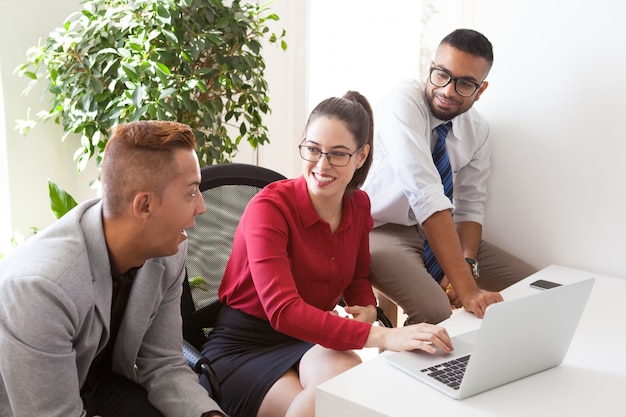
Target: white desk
(591,381)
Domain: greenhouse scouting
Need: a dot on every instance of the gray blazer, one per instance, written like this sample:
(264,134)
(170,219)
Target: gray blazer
(55,304)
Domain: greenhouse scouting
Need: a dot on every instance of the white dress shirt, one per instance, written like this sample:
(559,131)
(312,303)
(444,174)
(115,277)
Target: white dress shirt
(403,183)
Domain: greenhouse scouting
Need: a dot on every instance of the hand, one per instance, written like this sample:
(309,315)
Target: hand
(365,314)
(424,336)
(478,301)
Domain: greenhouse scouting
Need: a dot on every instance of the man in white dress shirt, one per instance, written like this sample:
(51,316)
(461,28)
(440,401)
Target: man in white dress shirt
(409,202)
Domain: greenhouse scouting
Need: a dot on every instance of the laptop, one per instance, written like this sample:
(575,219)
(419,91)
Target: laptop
(517,338)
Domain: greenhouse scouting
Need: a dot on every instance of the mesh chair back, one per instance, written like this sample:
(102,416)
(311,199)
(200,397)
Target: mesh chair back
(226,189)
(210,241)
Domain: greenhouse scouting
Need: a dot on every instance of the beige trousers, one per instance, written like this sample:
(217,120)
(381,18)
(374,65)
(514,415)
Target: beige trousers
(398,272)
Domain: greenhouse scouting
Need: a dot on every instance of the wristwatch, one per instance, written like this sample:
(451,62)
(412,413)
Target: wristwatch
(474,265)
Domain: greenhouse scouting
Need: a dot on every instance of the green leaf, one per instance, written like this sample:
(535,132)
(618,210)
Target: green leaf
(197,281)
(139,113)
(130,72)
(108,51)
(30,74)
(138,95)
(170,35)
(163,68)
(60,201)
(222,22)
(167,92)
(214,38)
(163,12)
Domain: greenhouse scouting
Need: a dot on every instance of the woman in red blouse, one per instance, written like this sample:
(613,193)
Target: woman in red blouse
(301,245)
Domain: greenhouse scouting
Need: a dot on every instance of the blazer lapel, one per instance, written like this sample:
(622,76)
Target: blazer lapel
(100,266)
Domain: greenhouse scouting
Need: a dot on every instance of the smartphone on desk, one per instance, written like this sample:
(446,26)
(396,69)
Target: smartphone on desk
(542,284)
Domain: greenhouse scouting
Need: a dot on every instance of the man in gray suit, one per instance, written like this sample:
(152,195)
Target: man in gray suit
(90,307)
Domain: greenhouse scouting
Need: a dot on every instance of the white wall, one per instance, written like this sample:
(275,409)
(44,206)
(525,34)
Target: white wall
(287,77)
(554,102)
(5,210)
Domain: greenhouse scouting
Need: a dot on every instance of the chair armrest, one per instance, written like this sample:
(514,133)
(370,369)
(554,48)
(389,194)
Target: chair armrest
(201,366)
(382,318)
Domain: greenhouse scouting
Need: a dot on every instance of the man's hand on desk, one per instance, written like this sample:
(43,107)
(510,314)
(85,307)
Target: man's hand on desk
(475,302)
(478,301)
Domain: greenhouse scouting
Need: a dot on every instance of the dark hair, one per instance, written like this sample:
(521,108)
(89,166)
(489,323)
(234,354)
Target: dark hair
(140,156)
(472,42)
(355,111)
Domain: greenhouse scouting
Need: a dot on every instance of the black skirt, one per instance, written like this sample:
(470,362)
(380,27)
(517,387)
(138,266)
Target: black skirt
(248,356)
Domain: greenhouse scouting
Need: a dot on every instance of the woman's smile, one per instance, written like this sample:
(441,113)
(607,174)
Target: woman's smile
(323,179)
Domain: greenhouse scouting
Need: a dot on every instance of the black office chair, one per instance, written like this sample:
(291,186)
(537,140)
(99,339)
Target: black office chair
(226,189)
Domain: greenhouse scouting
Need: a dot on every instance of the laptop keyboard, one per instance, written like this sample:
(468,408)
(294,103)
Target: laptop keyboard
(450,372)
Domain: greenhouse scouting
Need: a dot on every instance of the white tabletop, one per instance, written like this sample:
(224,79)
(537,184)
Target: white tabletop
(591,381)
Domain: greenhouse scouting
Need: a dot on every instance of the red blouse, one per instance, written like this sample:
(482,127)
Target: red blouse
(287,267)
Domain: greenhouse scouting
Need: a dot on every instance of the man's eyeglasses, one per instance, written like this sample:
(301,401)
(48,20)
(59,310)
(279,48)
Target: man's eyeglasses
(335,158)
(463,86)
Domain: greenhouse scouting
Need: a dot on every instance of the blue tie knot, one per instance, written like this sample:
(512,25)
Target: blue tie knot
(442,130)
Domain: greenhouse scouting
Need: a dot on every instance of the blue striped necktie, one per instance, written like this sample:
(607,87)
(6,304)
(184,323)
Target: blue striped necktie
(440,158)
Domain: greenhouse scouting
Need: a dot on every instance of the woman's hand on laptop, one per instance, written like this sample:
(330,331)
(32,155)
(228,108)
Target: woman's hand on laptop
(424,336)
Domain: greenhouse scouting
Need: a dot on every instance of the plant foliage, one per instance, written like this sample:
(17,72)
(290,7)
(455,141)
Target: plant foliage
(198,62)
(60,200)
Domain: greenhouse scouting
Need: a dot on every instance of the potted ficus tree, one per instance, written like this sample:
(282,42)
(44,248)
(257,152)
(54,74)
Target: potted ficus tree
(198,62)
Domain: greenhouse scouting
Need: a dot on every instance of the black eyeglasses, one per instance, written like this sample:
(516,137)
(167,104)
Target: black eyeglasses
(335,158)
(463,86)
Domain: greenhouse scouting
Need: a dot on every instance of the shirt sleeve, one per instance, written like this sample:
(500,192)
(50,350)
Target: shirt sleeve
(472,156)
(36,350)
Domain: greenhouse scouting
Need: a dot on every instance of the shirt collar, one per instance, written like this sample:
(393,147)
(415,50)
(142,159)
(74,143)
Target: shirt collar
(434,122)
(308,215)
